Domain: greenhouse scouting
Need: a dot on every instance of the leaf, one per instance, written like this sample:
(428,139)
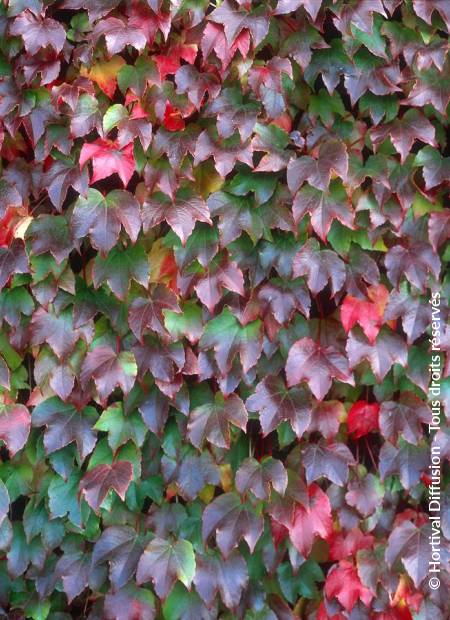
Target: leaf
(58,331)
(332,157)
(196,85)
(235,21)
(310,521)
(86,117)
(13,259)
(4,502)
(109,369)
(121,428)
(228,576)
(363,418)
(388,349)
(181,213)
(404,131)
(365,313)
(120,547)
(164,563)
(64,424)
(436,169)
(415,314)
(404,418)
(410,545)
(260,477)
(408,461)
(225,157)
(119,34)
(415,262)
(365,495)
(276,403)
(118,604)
(430,87)
(119,267)
(288,6)
(101,218)
(108,159)
(227,337)
(317,365)
(219,275)
(331,461)
(211,421)
(15,422)
(195,473)
(319,266)
(74,569)
(48,233)
(231,521)
(323,207)
(343,583)
(97,482)
(38,32)
(60,178)
(149,314)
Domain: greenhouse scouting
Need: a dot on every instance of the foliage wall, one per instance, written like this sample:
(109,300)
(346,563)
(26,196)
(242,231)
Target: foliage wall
(221,228)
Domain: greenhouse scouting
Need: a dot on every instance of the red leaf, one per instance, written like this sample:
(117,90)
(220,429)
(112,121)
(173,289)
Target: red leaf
(362,418)
(108,159)
(365,313)
(309,522)
(343,583)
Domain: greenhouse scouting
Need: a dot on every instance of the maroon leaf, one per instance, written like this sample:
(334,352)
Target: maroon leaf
(211,421)
(95,485)
(12,260)
(388,349)
(181,213)
(277,403)
(326,417)
(231,521)
(226,275)
(317,365)
(332,157)
(119,34)
(102,217)
(319,266)
(331,461)
(120,547)
(410,545)
(288,6)
(58,331)
(109,369)
(404,418)
(227,576)
(404,131)
(15,422)
(235,21)
(64,424)
(119,605)
(259,477)
(164,562)
(439,228)
(225,158)
(415,314)
(38,32)
(147,314)
(323,209)
(366,495)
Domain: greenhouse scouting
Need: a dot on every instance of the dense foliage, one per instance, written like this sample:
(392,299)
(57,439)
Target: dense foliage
(221,228)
